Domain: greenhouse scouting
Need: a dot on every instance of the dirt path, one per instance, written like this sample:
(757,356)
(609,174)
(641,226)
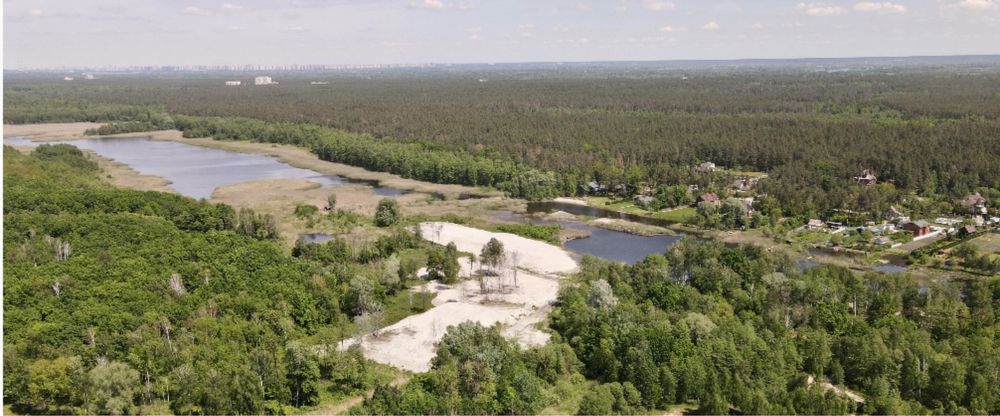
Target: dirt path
(344,405)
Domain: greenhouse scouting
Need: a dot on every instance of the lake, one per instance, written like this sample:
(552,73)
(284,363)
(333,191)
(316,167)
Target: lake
(197,171)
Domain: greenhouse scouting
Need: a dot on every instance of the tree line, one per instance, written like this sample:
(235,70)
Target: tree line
(928,130)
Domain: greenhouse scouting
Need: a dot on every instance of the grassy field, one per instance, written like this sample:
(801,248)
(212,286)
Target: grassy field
(988,243)
(623,205)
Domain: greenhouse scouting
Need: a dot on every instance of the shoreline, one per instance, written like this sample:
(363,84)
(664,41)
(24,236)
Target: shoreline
(291,155)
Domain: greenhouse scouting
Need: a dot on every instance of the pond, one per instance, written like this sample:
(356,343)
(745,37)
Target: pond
(197,171)
(606,244)
(315,238)
(889,268)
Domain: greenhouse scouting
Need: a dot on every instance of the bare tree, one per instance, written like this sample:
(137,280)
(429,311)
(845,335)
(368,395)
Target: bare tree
(515,262)
(165,329)
(436,229)
(177,284)
(57,287)
(61,249)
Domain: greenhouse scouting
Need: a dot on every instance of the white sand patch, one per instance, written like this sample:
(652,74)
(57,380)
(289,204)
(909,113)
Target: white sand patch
(570,201)
(410,344)
(533,255)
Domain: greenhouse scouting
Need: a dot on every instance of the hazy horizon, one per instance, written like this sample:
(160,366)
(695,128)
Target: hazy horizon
(114,33)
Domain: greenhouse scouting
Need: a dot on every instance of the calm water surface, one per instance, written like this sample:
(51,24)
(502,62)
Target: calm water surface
(197,171)
(606,244)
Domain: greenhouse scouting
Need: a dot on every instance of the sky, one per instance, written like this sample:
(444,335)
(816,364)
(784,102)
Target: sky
(104,33)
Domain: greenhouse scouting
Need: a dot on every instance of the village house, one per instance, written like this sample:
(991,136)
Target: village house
(705,167)
(814,224)
(918,228)
(967,230)
(708,197)
(974,204)
(866,178)
(744,184)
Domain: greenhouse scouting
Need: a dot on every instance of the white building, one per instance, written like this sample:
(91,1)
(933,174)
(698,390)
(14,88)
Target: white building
(233,83)
(263,81)
(67,78)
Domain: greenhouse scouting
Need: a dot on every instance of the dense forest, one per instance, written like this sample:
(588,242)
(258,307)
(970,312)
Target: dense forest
(124,301)
(932,131)
(121,301)
(728,330)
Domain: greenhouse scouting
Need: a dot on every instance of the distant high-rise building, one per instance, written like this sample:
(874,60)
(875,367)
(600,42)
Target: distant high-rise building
(263,81)
(233,83)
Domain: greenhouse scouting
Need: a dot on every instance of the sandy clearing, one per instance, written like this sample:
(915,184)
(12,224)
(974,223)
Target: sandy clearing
(534,255)
(573,201)
(410,344)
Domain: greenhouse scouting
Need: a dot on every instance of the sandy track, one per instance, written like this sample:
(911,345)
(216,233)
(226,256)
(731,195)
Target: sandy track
(410,344)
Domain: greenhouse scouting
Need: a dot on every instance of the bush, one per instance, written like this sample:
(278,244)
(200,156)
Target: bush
(387,212)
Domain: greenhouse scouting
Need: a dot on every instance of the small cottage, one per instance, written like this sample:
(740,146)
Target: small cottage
(967,230)
(866,178)
(974,204)
(708,197)
(917,228)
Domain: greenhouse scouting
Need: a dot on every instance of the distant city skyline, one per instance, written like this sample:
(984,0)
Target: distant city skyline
(116,33)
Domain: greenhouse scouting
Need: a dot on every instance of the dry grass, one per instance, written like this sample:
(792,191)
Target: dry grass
(122,175)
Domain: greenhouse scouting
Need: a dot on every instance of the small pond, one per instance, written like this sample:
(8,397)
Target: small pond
(606,244)
(889,268)
(315,238)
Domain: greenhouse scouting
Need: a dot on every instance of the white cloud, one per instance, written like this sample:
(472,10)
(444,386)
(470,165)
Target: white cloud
(429,4)
(979,4)
(35,13)
(711,26)
(475,37)
(195,11)
(233,28)
(820,9)
(880,8)
(584,7)
(757,26)
(658,5)
(667,29)
(229,7)
(296,29)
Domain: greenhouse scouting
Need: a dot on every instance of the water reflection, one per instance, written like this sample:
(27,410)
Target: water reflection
(197,171)
(606,244)
(315,238)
